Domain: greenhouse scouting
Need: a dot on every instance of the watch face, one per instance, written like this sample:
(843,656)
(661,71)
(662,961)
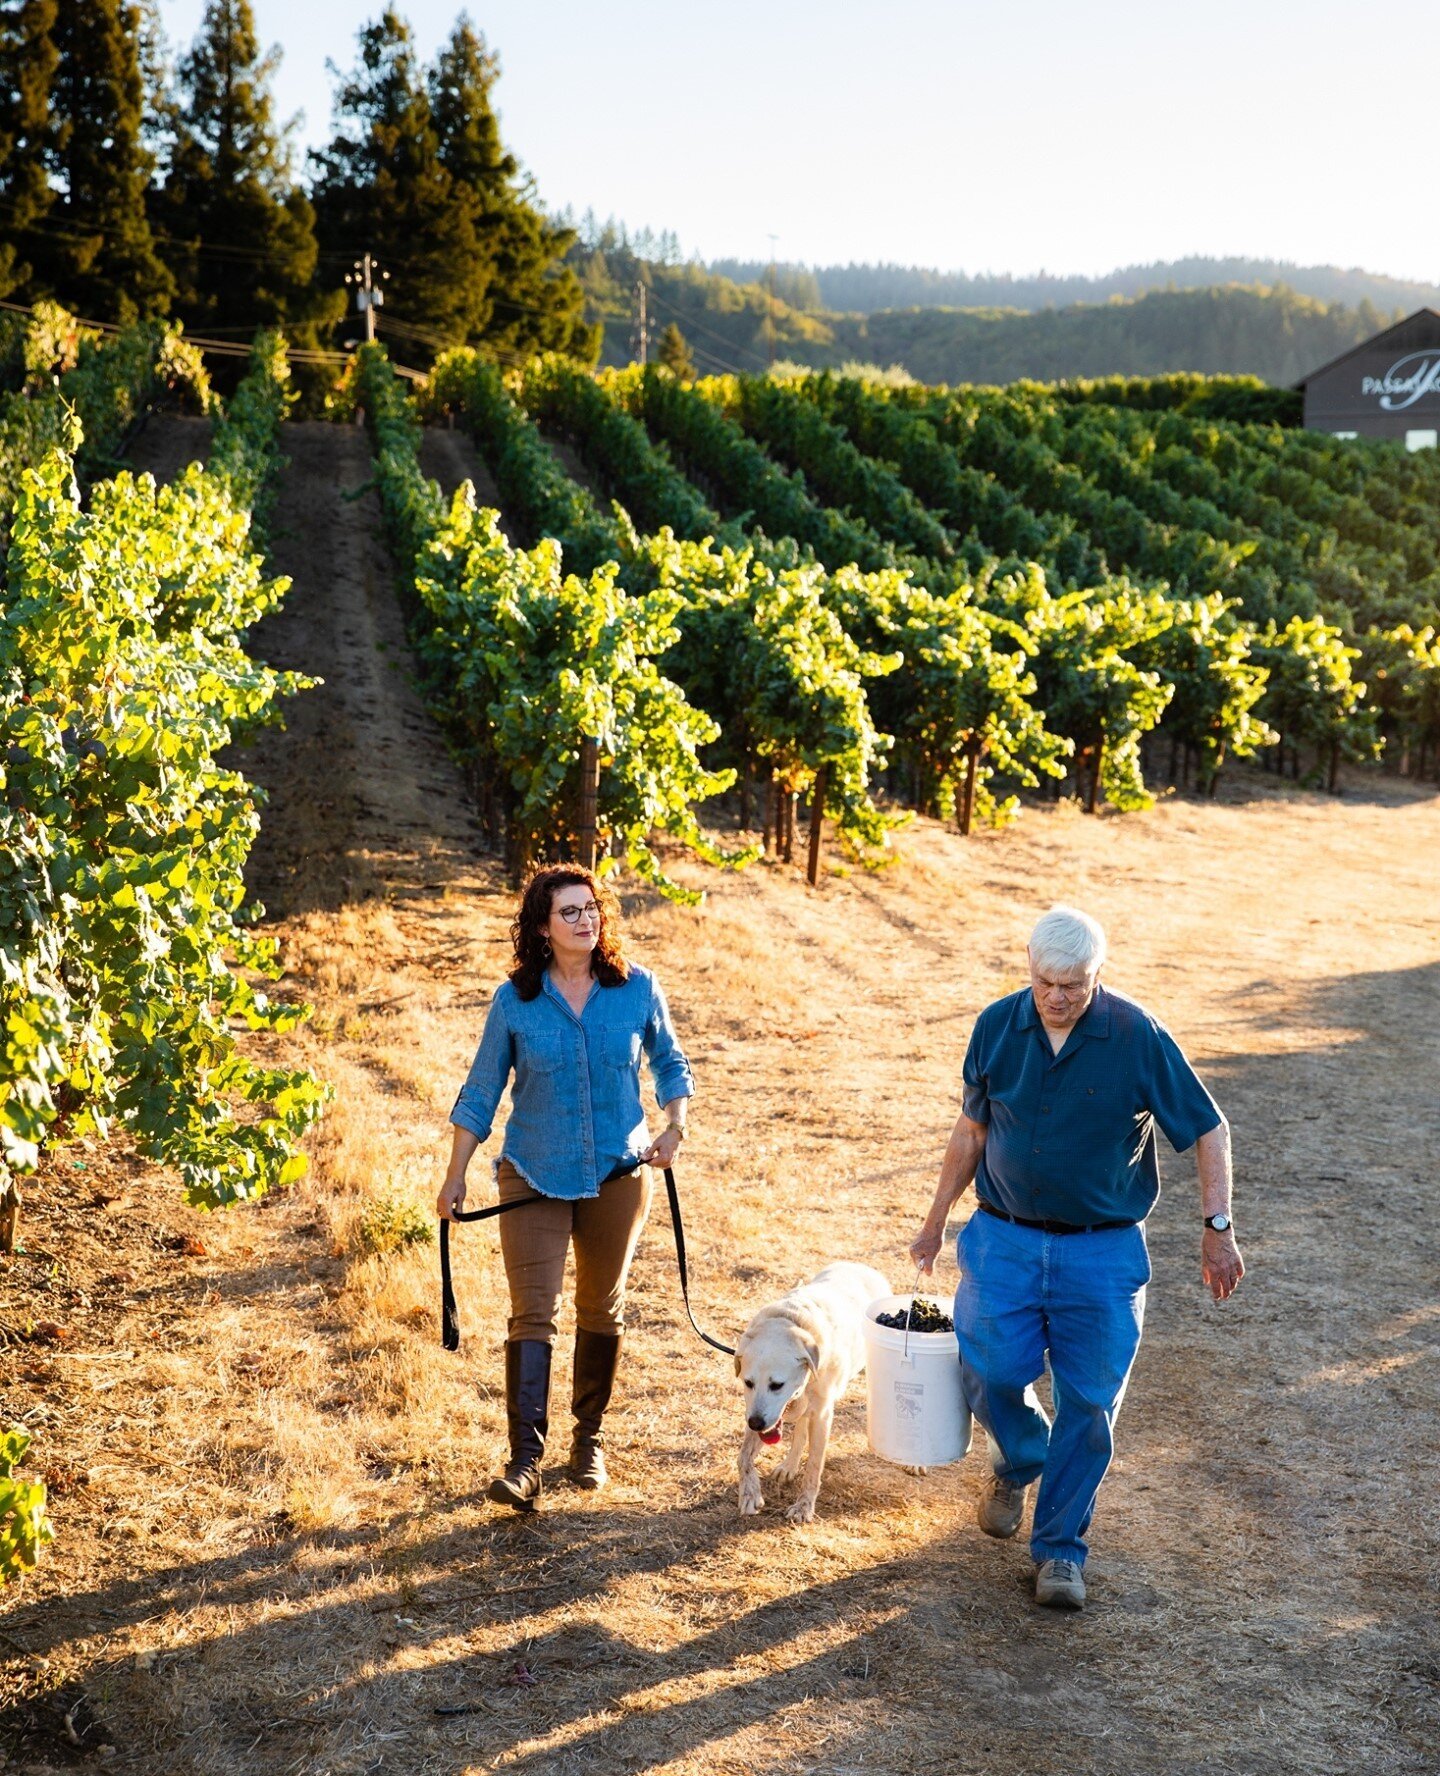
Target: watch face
(1218,1222)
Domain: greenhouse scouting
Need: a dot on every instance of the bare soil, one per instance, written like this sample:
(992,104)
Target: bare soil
(163,445)
(448,456)
(273,1551)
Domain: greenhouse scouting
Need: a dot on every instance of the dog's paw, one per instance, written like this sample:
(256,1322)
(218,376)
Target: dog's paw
(751,1497)
(802,1511)
(791,1466)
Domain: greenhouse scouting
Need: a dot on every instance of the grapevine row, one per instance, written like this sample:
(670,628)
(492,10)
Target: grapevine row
(126,957)
(60,367)
(546,681)
(1302,647)
(756,644)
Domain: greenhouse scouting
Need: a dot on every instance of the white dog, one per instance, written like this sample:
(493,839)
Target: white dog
(796,1358)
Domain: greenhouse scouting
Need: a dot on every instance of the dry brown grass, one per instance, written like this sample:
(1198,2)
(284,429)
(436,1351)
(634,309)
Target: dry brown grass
(274,1553)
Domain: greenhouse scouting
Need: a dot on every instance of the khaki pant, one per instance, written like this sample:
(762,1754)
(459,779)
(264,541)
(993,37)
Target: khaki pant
(533,1242)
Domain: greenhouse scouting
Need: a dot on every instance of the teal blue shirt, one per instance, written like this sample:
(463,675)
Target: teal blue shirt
(575,1112)
(1071,1137)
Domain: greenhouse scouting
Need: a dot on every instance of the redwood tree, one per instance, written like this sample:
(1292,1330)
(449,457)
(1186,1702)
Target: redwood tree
(241,232)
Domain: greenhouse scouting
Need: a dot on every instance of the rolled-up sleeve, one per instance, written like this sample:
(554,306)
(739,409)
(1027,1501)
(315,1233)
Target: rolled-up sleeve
(668,1066)
(975,1099)
(485,1083)
(1174,1095)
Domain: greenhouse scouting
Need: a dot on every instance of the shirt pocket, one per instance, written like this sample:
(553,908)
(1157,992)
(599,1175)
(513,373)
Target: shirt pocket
(1103,1111)
(540,1051)
(621,1048)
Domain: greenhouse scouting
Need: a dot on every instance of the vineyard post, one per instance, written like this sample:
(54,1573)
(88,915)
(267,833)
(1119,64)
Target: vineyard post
(9,1217)
(589,802)
(817,824)
(1095,776)
(972,771)
(1216,766)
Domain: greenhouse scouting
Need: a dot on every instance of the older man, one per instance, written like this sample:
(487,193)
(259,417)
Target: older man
(1064,1085)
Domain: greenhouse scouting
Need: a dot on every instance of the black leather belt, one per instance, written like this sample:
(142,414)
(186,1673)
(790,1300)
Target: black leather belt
(1049,1226)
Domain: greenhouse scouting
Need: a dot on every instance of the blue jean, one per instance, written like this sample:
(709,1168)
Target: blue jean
(1081,1297)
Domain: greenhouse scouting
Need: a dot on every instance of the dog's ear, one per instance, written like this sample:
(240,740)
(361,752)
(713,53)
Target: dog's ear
(737,1362)
(811,1353)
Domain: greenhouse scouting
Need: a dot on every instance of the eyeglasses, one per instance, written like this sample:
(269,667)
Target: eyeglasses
(572,915)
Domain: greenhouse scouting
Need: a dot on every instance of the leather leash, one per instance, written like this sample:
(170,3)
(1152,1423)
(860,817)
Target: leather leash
(449,1314)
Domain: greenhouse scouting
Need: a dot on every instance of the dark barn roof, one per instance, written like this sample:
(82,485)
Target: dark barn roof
(1417,331)
(1385,387)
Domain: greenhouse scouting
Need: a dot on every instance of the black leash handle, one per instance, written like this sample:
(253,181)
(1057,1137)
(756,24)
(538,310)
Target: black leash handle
(449,1314)
(679,1227)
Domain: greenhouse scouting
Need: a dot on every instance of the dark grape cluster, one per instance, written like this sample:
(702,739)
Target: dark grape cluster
(925,1316)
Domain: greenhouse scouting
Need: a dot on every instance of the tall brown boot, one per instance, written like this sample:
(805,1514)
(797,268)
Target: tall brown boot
(527,1410)
(596,1358)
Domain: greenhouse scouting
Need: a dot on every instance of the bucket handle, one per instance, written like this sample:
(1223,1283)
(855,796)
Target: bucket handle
(905,1353)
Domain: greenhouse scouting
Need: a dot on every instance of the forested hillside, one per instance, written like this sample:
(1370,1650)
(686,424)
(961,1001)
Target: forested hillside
(862,289)
(1236,330)
(1256,330)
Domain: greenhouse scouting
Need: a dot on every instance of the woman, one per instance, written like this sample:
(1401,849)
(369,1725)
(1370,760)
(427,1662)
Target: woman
(571,1023)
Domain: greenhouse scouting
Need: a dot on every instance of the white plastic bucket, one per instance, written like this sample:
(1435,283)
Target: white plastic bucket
(915,1409)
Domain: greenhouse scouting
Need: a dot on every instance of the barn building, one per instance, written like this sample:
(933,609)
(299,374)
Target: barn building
(1389,387)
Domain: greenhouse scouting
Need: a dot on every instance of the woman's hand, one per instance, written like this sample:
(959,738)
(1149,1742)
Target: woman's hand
(451,1198)
(661,1151)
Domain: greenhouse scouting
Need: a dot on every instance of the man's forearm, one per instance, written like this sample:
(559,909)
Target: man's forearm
(1212,1161)
(957,1172)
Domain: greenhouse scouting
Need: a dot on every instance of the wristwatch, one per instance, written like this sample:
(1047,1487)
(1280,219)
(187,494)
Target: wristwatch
(1219,1223)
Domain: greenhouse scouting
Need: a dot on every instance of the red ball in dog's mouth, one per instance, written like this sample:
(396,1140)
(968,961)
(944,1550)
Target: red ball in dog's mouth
(770,1436)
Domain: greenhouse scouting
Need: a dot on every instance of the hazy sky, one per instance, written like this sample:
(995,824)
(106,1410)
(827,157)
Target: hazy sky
(999,137)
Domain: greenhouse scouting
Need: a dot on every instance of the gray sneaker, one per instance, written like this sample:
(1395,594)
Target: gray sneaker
(1002,1505)
(1059,1584)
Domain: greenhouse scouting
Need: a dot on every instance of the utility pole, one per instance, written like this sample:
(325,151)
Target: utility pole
(368,294)
(640,338)
(773,239)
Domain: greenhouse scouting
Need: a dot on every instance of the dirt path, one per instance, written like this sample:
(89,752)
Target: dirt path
(450,457)
(364,801)
(165,443)
(274,1555)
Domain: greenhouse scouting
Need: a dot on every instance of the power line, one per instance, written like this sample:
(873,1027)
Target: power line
(699,326)
(218,347)
(43,226)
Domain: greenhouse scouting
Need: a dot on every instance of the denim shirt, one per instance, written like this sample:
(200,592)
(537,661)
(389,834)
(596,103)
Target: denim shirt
(575,1113)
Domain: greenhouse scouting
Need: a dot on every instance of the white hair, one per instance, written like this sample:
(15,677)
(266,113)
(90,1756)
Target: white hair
(1065,938)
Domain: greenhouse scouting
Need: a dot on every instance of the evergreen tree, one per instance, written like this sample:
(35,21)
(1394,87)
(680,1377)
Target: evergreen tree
(534,302)
(382,188)
(27,70)
(674,353)
(241,233)
(100,257)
